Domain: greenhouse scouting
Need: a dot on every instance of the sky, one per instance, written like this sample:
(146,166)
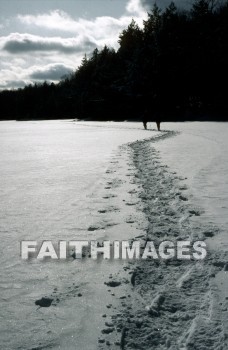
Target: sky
(47,39)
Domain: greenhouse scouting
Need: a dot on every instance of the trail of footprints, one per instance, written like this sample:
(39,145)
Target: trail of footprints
(114,182)
(163,304)
(171,304)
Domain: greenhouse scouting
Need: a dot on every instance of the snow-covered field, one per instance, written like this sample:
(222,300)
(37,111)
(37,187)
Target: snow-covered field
(177,304)
(64,180)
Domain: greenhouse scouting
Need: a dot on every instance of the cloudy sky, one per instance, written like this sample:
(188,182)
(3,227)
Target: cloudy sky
(46,39)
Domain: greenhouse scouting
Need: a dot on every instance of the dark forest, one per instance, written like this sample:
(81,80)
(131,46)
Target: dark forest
(174,68)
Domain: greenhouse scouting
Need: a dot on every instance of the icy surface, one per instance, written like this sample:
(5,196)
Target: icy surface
(199,153)
(175,304)
(64,180)
(53,175)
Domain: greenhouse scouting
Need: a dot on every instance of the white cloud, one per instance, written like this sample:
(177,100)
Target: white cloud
(100,29)
(13,84)
(57,19)
(136,8)
(26,57)
(15,76)
(61,21)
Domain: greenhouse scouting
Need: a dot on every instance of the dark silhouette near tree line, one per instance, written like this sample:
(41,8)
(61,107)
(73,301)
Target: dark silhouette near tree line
(145,124)
(146,117)
(175,67)
(158,125)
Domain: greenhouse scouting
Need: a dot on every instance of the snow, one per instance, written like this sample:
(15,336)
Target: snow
(53,175)
(180,305)
(65,180)
(199,153)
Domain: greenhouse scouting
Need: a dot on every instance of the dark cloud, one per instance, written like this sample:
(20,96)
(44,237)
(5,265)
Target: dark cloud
(148,4)
(53,72)
(13,84)
(23,45)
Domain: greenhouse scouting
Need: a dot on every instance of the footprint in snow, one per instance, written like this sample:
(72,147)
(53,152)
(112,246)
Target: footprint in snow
(44,302)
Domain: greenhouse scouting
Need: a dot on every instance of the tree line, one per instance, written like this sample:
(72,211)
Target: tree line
(175,67)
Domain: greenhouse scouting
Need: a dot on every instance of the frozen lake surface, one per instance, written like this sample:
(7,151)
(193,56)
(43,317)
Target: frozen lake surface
(199,153)
(53,175)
